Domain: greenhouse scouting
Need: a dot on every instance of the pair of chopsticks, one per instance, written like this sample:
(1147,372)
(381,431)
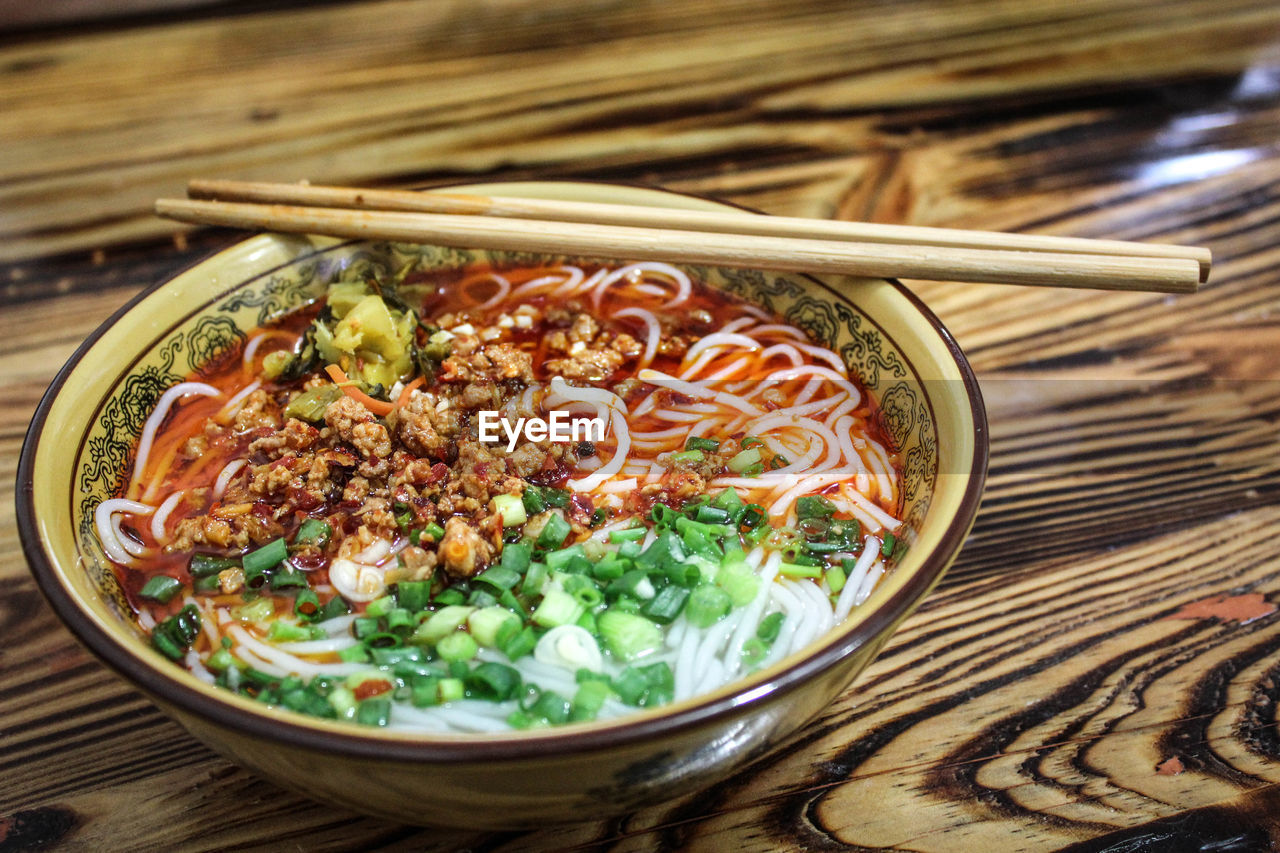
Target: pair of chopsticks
(731,238)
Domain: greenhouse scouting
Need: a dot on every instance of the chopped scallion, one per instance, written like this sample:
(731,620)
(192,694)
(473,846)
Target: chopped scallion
(161,588)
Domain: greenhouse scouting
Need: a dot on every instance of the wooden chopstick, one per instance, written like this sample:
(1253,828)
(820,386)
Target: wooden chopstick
(736,239)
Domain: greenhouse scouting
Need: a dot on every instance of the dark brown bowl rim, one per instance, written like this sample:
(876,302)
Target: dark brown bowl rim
(523,745)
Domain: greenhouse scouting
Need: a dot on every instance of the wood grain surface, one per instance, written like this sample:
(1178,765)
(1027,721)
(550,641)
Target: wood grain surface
(1101,668)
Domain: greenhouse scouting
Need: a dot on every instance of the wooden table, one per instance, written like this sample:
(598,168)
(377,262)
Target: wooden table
(1076,680)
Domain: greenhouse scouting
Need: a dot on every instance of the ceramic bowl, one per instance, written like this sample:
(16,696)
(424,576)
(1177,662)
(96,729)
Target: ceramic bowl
(80,447)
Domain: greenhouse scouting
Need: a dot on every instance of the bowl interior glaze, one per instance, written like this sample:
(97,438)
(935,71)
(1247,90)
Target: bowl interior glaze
(80,450)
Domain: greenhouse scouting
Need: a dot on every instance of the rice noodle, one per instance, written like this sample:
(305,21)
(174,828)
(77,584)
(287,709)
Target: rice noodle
(653,333)
(857,575)
(161,515)
(504,289)
(167,399)
(283,662)
(106,522)
(224,476)
(233,406)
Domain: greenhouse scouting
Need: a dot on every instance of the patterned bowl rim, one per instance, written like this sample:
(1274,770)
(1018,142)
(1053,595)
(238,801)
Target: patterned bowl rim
(155,678)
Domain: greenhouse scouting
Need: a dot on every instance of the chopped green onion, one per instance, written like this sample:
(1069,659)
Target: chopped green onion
(207,565)
(499,577)
(750,441)
(698,443)
(452,689)
(288,580)
(161,588)
(174,636)
(519,644)
(752,516)
(492,625)
(534,578)
(532,500)
(413,595)
(835,577)
(451,596)
(744,460)
(793,570)
(663,516)
(814,506)
(738,581)
(353,654)
(555,497)
(287,632)
(425,691)
(258,610)
(458,646)
(493,681)
(635,584)
(554,532)
(707,605)
(886,548)
(666,605)
(627,635)
(399,617)
(589,699)
(662,683)
(684,574)
(682,456)
(374,712)
(558,561)
(220,661)
(435,531)
(516,557)
(365,626)
(557,608)
(511,508)
(712,515)
(265,558)
(209,584)
(552,707)
(444,621)
(770,626)
(630,534)
(630,685)
(313,531)
(336,606)
(343,701)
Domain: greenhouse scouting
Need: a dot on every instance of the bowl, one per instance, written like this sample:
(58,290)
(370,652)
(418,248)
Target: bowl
(80,442)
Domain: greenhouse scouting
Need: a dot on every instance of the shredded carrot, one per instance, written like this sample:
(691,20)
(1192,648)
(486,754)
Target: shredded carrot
(378,407)
(408,389)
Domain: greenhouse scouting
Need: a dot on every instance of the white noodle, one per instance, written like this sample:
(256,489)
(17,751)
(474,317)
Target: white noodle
(857,575)
(157,417)
(504,290)
(233,406)
(107,524)
(654,332)
(224,476)
(162,515)
(282,660)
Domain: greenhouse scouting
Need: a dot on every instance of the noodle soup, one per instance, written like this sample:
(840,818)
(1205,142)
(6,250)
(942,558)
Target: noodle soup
(368,514)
